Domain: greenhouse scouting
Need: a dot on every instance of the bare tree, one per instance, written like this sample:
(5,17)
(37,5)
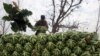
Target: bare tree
(4,27)
(65,8)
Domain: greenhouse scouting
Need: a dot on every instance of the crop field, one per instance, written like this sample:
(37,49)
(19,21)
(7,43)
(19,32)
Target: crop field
(59,44)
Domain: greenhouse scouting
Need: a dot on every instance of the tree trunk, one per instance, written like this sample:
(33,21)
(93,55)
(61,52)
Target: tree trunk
(55,28)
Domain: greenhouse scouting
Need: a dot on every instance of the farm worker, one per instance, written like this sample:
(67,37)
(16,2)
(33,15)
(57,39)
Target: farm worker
(41,25)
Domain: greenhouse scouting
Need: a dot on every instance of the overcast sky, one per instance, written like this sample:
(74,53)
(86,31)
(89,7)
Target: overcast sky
(88,11)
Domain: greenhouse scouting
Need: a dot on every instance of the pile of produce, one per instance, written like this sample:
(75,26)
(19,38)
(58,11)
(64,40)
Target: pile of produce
(59,44)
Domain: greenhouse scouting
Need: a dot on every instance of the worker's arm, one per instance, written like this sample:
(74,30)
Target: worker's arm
(37,23)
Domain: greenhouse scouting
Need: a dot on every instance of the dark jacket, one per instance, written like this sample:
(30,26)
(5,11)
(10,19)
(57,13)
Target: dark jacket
(41,23)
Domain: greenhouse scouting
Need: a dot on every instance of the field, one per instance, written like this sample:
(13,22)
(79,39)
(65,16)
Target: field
(59,44)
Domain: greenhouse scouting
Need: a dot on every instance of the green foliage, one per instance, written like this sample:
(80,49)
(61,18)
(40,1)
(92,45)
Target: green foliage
(98,44)
(28,47)
(56,52)
(35,53)
(77,50)
(82,43)
(70,43)
(33,39)
(73,54)
(18,48)
(9,47)
(18,17)
(22,40)
(90,48)
(50,46)
(42,39)
(9,8)
(60,44)
(6,18)
(26,53)
(38,47)
(45,53)
(40,28)
(5,53)
(86,53)
(1,46)
(66,51)
(15,54)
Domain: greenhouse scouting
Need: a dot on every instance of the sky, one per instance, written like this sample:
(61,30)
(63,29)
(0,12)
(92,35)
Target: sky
(86,14)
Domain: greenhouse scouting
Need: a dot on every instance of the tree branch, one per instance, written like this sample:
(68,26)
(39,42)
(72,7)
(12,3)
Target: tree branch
(7,28)
(68,8)
(62,7)
(67,13)
(64,17)
(80,1)
(54,10)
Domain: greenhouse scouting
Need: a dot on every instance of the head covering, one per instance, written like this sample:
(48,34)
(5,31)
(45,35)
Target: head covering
(42,17)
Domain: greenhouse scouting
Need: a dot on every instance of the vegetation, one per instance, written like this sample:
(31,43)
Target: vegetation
(60,44)
(18,18)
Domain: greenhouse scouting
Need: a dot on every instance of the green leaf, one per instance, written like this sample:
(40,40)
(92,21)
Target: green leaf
(6,18)
(70,43)
(18,47)
(28,47)
(60,45)
(15,53)
(50,45)
(26,53)
(77,50)
(38,47)
(66,51)
(14,27)
(35,53)
(25,12)
(87,53)
(73,54)
(56,52)
(1,46)
(8,8)
(45,52)
(9,47)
